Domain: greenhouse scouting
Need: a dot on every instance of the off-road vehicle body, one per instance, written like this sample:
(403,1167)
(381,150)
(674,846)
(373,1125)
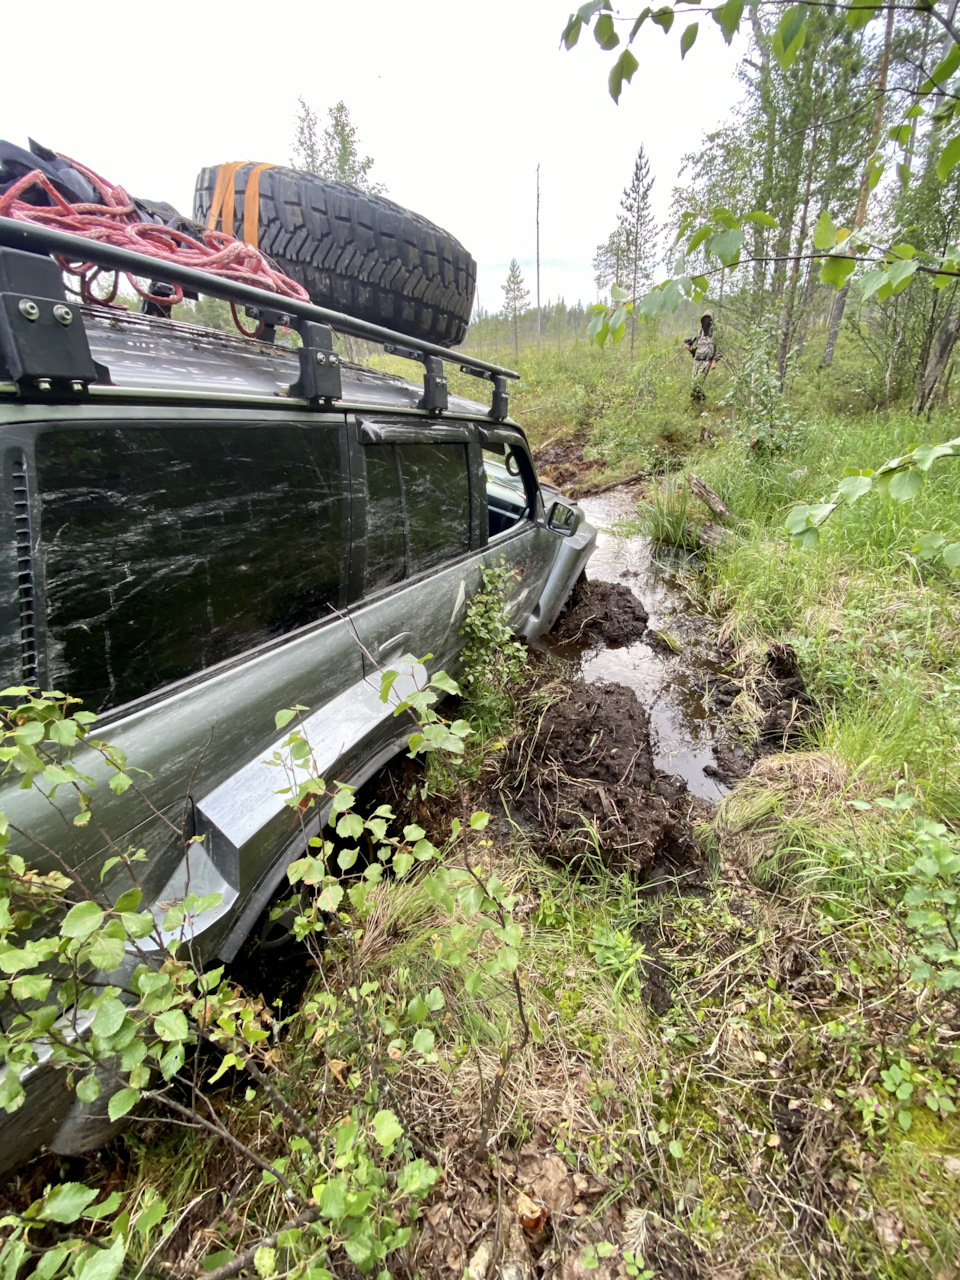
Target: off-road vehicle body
(199,529)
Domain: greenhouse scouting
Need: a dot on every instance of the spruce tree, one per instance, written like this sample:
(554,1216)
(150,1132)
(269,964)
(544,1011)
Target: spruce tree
(515,300)
(637,232)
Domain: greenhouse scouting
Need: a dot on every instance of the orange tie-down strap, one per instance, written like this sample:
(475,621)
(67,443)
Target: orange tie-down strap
(222,206)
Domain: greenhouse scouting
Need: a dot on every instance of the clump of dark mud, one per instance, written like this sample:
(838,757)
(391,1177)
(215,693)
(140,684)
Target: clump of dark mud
(783,697)
(605,613)
(584,784)
(563,464)
(775,710)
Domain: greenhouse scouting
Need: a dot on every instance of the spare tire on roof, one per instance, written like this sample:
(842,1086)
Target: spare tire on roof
(352,251)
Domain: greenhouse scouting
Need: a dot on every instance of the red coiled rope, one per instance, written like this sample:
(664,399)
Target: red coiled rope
(117,222)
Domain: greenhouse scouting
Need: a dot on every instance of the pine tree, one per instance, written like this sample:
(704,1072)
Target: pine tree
(638,234)
(334,154)
(515,300)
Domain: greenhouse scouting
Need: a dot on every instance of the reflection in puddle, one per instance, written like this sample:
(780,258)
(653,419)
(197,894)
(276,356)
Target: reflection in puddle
(670,686)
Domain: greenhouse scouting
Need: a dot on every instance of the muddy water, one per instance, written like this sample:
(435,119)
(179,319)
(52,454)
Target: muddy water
(673,687)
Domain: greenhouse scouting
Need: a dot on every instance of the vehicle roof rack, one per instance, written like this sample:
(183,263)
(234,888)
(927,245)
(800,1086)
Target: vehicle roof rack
(42,350)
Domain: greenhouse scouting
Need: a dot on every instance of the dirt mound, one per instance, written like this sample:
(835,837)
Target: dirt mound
(585,784)
(605,613)
(563,463)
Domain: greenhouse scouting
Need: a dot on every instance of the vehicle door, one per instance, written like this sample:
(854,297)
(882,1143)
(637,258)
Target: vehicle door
(513,512)
(419,538)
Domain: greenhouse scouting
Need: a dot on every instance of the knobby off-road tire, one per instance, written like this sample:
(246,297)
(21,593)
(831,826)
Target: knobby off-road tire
(356,252)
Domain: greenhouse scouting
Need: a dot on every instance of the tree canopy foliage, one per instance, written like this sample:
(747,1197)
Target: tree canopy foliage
(841,169)
(335,153)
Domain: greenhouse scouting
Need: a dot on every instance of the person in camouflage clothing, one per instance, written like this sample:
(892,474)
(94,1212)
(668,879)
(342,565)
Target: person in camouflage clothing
(703,349)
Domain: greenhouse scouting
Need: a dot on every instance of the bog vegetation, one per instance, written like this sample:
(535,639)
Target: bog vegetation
(756,1076)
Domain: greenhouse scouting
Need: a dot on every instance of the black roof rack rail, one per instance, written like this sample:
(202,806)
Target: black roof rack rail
(319,364)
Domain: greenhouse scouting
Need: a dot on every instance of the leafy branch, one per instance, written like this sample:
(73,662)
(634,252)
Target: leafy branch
(900,479)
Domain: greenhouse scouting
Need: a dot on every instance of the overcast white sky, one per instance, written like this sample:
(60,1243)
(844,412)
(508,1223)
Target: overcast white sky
(457,102)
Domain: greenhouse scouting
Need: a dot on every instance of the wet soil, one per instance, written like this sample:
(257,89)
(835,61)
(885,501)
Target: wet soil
(584,785)
(563,464)
(684,679)
(602,613)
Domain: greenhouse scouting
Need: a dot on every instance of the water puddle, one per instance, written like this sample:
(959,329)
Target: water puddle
(672,687)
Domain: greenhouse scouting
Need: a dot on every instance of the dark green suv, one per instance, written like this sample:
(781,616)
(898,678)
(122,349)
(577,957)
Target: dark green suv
(200,529)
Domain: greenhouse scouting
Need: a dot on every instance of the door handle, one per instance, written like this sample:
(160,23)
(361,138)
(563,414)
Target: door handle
(393,647)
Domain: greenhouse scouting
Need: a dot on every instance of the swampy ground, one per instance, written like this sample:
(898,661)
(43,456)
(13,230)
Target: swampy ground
(707,791)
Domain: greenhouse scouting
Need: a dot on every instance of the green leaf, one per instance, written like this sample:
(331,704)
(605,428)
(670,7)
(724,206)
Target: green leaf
(265,1262)
(479,820)
(108,1019)
(442,681)
(119,783)
(66,1202)
(88,1090)
(825,232)
(837,269)
(861,12)
(640,20)
(688,38)
(727,17)
(350,826)
(402,862)
(761,218)
(330,898)
(854,487)
(423,1041)
(63,731)
(172,1025)
(698,237)
(121,1102)
(284,717)
(103,1264)
(726,216)
(386,1128)
(789,37)
(899,273)
(623,70)
(663,18)
(948,158)
(905,485)
(676,1149)
(951,556)
(81,920)
(604,32)
(571,32)
(29,734)
(726,246)
(871,282)
(435,1000)
(905,1120)
(49,1265)
(943,70)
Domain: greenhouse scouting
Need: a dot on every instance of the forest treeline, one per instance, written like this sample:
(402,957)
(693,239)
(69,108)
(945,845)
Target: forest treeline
(793,151)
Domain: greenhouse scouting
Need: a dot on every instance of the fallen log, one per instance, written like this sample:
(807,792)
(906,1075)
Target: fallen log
(614,484)
(707,495)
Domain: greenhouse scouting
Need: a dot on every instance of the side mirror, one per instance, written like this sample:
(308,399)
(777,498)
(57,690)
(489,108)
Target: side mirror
(562,519)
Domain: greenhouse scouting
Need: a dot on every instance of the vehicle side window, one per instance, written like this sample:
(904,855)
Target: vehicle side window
(386,543)
(418,509)
(506,492)
(436,496)
(168,549)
